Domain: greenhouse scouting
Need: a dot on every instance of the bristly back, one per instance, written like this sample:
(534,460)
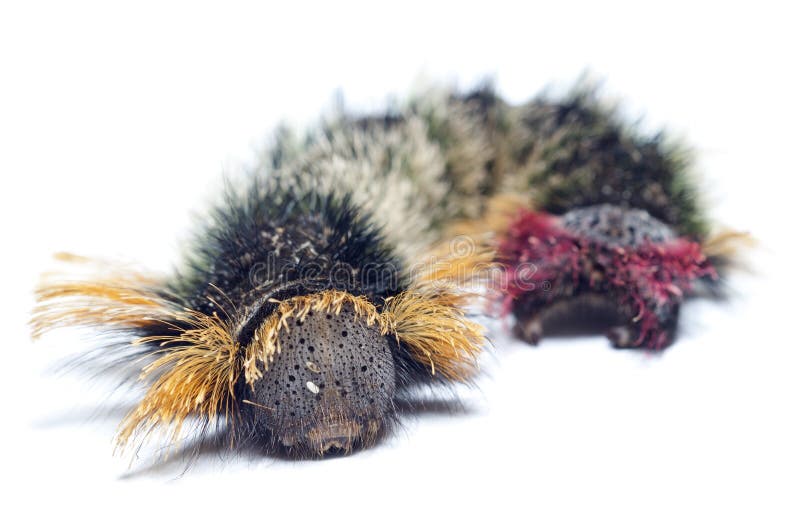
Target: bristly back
(579,151)
(282,238)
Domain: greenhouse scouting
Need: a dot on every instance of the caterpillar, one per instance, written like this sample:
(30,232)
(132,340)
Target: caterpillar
(596,221)
(307,305)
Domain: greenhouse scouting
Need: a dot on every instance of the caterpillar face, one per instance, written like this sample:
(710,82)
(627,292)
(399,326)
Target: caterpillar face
(599,262)
(329,389)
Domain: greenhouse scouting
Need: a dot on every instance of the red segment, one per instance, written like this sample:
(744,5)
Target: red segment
(541,256)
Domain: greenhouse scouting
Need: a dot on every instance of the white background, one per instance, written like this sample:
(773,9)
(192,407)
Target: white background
(116,122)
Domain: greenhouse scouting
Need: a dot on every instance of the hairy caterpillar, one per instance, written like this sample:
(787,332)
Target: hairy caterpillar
(307,305)
(596,220)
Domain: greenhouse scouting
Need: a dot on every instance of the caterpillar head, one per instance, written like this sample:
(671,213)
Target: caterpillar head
(604,263)
(604,266)
(331,386)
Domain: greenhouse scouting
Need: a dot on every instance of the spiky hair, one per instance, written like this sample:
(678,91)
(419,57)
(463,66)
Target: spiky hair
(415,168)
(579,151)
